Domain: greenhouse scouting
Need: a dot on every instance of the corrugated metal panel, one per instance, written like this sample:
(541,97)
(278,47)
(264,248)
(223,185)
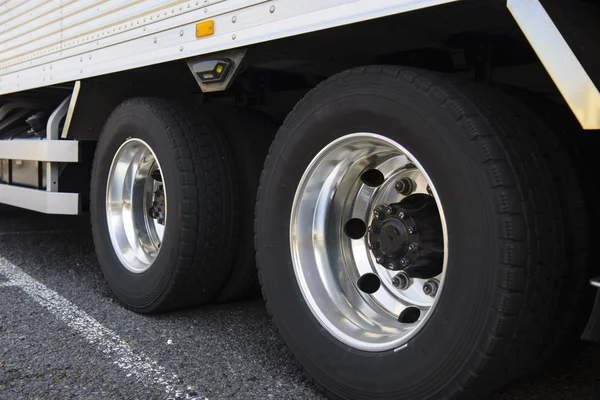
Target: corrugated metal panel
(45,45)
(59,26)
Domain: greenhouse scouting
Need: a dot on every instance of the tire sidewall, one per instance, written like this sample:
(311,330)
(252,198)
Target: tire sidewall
(432,134)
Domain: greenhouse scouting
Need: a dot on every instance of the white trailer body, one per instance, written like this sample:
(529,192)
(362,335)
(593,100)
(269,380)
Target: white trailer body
(48,42)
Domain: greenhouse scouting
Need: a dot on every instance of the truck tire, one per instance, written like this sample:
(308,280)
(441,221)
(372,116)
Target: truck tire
(564,146)
(162,205)
(249,134)
(377,295)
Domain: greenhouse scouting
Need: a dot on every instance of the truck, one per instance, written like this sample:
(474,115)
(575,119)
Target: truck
(408,183)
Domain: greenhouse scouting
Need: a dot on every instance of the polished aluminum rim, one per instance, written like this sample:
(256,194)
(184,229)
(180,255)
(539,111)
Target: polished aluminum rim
(136,205)
(328,264)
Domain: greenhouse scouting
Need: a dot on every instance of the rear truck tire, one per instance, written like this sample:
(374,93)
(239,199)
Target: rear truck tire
(377,295)
(564,146)
(249,134)
(163,205)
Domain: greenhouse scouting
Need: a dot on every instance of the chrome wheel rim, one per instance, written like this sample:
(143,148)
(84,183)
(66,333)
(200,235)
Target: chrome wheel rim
(330,259)
(136,205)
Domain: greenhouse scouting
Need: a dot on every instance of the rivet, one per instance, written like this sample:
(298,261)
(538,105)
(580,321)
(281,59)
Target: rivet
(205,10)
(180,48)
(272,9)
(144,28)
(233,36)
(155,40)
(181,32)
(90,57)
(81,71)
(233,19)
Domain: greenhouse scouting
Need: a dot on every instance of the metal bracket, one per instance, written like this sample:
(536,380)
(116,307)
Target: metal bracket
(236,56)
(71,110)
(52,134)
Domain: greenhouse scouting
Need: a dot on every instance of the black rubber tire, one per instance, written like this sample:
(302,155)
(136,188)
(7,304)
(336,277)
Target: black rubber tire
(564,145)
(200,238)
(504,223)
(249,134)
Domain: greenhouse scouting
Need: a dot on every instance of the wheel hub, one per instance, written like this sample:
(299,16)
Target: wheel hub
(407,236)
(393,238)
(157,211)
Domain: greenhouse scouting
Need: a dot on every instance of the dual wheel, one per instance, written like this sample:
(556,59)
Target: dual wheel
(416,238)
(421,238)
(172,203)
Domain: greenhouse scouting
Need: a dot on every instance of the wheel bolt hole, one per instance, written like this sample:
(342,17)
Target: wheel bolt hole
(355,228)
(369,283)
(156,175)
(372,177)
(410,315)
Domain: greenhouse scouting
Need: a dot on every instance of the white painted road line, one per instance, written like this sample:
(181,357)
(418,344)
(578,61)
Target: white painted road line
(146,370)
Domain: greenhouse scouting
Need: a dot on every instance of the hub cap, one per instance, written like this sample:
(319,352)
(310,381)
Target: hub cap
(136,205)
(367,234)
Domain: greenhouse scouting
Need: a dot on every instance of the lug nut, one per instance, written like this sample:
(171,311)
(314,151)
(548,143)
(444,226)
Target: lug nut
(402,214)
(413,247)
(430,288)
(401,280)
(404,261)
(391,265)
(412,229)
(389,210)
(379,260)
(377,214)
(405,186)
(372,229)
(373,246)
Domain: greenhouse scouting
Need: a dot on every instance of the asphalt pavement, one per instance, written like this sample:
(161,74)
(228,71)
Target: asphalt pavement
(63,336)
